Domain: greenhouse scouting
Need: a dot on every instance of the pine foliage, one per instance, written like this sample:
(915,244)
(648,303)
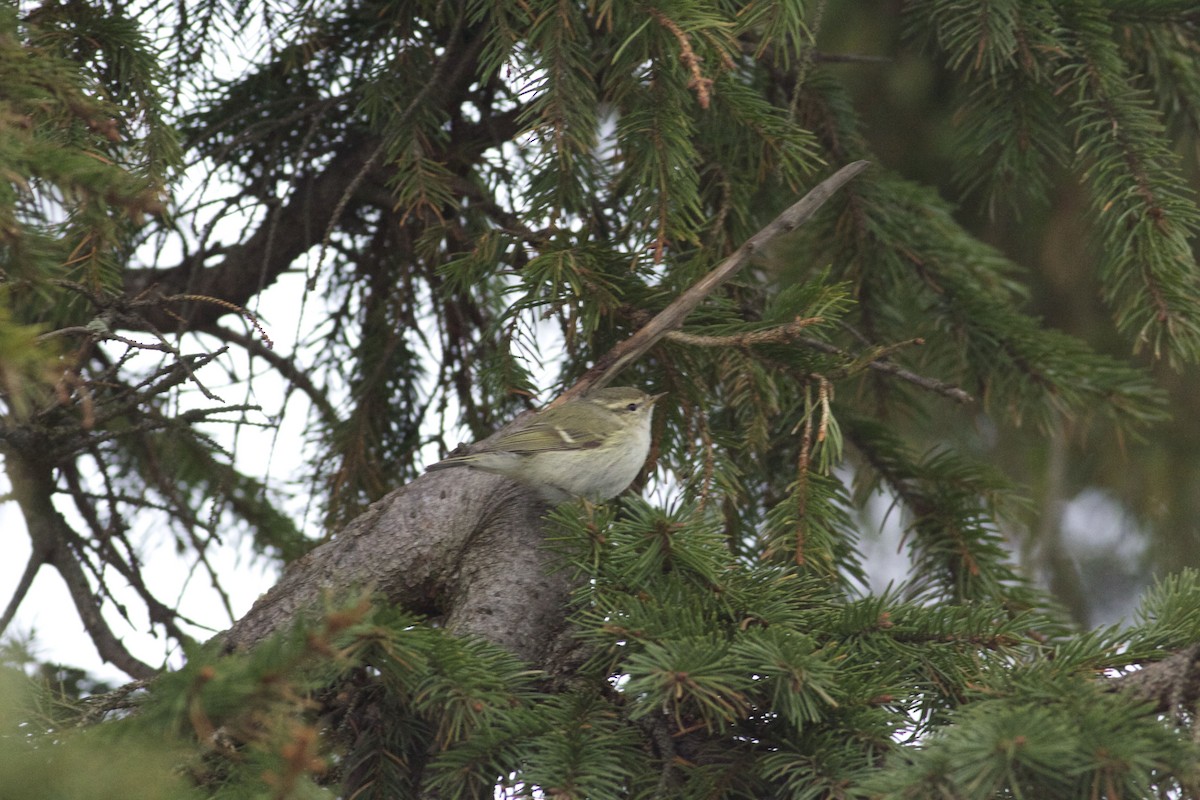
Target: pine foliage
(486,196)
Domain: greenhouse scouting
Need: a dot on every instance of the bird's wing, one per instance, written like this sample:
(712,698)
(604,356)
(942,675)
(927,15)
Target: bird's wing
(540,437)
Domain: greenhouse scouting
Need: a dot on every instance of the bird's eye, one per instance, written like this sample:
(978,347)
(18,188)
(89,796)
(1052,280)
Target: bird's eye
(631,407)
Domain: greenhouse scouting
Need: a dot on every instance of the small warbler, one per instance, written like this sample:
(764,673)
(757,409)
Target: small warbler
(591,447)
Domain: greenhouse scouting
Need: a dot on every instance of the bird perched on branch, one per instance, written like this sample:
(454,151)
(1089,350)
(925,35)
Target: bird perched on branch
(590,447)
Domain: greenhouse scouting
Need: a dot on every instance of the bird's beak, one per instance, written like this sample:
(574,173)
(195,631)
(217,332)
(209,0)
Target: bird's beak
(655,397)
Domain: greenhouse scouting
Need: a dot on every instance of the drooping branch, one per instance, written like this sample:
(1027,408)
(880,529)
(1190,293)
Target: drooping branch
(354,172)
(33,486)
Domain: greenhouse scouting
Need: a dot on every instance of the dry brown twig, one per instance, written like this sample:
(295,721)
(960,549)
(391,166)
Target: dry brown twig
(780,334)
(667,321)
(671,317)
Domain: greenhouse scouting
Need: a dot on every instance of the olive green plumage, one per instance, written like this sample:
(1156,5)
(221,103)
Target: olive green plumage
(591,447)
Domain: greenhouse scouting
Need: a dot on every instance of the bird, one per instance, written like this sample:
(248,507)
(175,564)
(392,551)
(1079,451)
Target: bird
(591,447)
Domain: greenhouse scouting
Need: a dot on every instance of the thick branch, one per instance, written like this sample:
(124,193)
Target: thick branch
(464,546)
(246,269)
(1172,685)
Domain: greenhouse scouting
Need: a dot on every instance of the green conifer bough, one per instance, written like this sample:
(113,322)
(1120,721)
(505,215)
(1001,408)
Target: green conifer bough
(864,559)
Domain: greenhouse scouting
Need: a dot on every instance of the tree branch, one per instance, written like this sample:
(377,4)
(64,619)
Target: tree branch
(306,218)
(33,487)
(37,558)
(780,334)
(880,364)
(469,546)
(1172,685)
(158,611)
(611,363)
(468,549)
(283,365)
(790,332)
(247,268)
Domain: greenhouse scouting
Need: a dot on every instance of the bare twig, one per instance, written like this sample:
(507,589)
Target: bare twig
(40,555)
(33,485)
(178,372)
(283,365)
(101,335)
(671,317)
(183,363)
(880,364)
(778,335)
(155,423)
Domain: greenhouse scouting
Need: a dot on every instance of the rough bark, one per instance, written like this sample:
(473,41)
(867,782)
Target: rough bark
(465,546)
(1171,685)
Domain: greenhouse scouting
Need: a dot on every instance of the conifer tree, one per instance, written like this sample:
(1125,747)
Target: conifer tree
(495,203)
